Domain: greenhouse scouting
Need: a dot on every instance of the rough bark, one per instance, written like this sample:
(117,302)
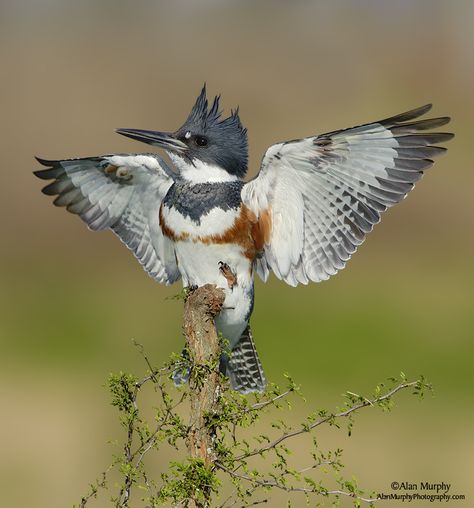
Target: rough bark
(201,307)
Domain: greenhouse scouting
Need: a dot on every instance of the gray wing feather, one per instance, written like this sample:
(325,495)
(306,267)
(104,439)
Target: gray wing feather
(122,193)
(325,193)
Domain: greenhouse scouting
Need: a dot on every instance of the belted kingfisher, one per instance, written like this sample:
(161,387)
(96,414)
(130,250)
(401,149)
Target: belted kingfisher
(302,217)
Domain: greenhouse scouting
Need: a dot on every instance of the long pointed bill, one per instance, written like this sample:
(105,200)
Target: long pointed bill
(160,139)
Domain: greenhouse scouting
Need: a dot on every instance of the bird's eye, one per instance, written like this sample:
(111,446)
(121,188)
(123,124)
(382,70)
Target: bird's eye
(201,140)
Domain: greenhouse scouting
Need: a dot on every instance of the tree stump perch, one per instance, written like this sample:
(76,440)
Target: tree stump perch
(201,307)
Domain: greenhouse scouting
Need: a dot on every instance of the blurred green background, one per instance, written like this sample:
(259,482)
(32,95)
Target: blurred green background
(71,300)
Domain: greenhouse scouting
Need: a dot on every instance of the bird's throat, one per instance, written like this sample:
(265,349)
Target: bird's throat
(197,171)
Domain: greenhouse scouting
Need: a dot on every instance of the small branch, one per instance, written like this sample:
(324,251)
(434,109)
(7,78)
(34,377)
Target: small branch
(318,464)
(325,419)
(95,487)
(289,488)
(261,501)
(261,405)
(145,357)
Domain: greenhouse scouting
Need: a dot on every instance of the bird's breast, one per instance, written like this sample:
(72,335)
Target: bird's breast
(217,226)
(213,214)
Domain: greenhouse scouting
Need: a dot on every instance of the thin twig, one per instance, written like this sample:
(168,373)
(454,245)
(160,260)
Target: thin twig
(145,357)
(261,405)
(325,419)
(260,501)
(289,488)
(316,465)
(95,487)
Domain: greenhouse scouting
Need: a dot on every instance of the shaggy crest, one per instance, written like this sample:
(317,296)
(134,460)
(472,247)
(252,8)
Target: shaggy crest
(207,119)
(227,136)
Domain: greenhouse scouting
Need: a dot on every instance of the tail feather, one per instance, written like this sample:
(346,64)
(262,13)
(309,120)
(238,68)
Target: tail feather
(243,368)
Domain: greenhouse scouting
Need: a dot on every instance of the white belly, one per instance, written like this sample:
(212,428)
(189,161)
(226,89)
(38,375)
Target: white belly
(198,257)
(199,265)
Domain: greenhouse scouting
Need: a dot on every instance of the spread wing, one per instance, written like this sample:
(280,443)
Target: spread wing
(123,193)
(316,198)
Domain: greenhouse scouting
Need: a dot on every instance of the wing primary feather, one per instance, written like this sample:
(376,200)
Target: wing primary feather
(424,152)
(49,174)
(128,207)
(420,125)
(68,197)
(408,115)
(59,186)
(412,140)
(78,207)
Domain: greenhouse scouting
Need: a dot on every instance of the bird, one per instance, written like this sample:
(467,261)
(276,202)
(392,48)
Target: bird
(302,216)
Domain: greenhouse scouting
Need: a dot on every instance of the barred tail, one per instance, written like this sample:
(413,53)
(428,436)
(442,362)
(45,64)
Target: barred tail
(243,367)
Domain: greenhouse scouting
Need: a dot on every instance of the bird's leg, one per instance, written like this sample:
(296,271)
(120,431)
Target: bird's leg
(230,276)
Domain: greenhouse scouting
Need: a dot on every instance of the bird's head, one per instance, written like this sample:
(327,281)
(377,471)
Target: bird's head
(204,142)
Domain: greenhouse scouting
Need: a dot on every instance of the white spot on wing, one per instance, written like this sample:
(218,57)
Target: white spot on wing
(134,161)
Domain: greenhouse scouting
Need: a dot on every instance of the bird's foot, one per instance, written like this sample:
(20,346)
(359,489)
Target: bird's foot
(230,276)
(182,368)
(188,290)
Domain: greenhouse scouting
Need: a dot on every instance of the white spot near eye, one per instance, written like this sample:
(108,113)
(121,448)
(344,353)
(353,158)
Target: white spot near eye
(188,134)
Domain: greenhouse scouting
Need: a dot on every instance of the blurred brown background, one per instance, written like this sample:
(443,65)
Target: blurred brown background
(71,300)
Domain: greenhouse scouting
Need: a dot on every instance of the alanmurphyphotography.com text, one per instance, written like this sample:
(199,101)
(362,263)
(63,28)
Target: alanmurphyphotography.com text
(422,491)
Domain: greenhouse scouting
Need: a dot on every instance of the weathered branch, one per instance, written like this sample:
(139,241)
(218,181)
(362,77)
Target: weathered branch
(201,307)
